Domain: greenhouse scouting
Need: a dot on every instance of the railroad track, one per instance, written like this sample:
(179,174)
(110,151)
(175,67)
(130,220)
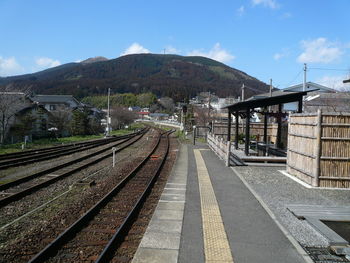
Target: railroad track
(96,235)
(33,156)
(22,187)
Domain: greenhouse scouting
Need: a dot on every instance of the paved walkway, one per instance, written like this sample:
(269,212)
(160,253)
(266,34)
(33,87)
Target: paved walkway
(216,219)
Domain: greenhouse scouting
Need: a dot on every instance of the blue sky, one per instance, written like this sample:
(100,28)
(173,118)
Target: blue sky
(264,38)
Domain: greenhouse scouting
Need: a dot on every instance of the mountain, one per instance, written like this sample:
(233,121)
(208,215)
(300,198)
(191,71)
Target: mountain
(175,76)
(93,60)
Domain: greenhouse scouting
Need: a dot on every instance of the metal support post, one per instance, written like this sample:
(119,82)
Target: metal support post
(247,132)
(229,126)
(194,135)
(236,130)
(114,150)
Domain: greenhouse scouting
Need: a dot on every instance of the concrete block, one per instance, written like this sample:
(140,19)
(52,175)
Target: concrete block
(147,255)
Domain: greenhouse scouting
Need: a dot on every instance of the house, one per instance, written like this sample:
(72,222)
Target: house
(310,86)
(57,102)
(328,102)
(10,104)
(21,117)
(159,116)
(324,98)
(62,107)
(31,122)
(143,115)
(134,108)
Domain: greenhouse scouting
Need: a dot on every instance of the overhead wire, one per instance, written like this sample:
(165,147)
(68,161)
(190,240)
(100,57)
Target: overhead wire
(334,69)
(290,82)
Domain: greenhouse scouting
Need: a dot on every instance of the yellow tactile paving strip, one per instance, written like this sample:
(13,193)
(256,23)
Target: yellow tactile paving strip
(216,246)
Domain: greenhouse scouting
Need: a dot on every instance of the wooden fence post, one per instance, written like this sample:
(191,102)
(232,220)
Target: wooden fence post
(318,149)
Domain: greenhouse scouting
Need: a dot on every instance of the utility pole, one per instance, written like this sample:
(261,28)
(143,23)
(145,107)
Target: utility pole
(209,107)
(304,82)
(270,87)
(243,88)
(108,113)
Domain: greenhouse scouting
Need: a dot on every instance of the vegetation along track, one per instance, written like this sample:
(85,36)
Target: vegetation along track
(97,234)
(33,156)
(19,188)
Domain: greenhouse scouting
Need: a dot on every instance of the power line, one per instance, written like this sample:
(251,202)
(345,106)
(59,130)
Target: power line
(334,69)
(252,88)
(290,82)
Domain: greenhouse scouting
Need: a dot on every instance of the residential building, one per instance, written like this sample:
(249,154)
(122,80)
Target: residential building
(310,86)
(57,102)
(21,118)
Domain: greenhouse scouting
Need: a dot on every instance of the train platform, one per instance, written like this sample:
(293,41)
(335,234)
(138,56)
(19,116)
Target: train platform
(207,213)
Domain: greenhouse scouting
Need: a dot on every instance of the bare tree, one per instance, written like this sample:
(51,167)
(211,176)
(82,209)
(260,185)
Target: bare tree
(121,116)
(167,103)
(60,120)
(11,101)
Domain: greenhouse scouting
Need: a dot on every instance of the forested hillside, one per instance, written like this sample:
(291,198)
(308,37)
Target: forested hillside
(174,76)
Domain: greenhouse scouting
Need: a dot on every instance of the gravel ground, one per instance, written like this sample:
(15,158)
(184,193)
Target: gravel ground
(278,191)
(21,239)
(38,220)
(22,171)
(24,205)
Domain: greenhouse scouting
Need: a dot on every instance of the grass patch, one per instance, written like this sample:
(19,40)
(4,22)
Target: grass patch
(47,142)
(182,136)
(201,139)
(131,128)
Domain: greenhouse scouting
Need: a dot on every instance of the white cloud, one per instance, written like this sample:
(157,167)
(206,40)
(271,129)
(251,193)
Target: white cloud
(320,50)
(135,48)
(9,66)
(45,62)
(267,3)
(171,50)
(278,56)
(216,53)
(241,11)
(333,82)
(284,53)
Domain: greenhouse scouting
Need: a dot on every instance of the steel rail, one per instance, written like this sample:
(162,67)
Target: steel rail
(16,196)
(122,231)
(52,248)
(42,151)
(63,165)
(47,149)
(56,153)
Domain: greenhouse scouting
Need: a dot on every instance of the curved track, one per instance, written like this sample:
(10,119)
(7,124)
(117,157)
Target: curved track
(101,229)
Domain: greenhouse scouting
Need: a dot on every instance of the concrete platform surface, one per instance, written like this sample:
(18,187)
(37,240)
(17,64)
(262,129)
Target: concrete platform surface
(207,214)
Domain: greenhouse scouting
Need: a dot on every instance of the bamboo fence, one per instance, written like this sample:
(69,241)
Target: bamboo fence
(319,148)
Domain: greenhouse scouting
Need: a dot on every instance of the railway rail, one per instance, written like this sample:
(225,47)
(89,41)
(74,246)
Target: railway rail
(28,157)
(22,187)
(102,228)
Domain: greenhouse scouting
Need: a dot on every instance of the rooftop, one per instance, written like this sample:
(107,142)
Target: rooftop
(54,98)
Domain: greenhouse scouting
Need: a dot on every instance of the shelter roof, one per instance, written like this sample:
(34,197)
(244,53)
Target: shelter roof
(264,100)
